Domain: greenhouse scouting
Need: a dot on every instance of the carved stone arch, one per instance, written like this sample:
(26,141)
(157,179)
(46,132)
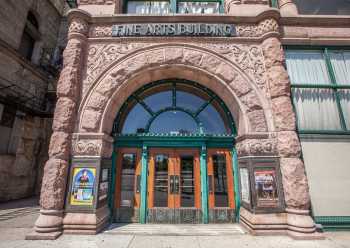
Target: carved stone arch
(247,103)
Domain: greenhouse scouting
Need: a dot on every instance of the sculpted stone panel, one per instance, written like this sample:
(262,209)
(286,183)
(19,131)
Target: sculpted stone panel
(249,58)
(257,147)
(100,145)
(203,59)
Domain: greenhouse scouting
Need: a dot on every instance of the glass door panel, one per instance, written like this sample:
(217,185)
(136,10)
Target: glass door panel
(221,186)
(187,181)
(127,194)
(161,181)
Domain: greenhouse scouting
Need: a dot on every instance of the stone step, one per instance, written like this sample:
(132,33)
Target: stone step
(175,229)
(13,213)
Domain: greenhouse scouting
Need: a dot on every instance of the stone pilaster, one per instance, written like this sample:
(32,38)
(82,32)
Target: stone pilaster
(288,8)
(295,185)
(49,223)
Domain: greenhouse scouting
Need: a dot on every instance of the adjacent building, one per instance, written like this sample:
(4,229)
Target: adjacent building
(214,111)
(30,60)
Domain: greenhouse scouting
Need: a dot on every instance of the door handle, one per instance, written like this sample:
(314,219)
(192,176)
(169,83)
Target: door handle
(177,185)
(138,183)
(172,186)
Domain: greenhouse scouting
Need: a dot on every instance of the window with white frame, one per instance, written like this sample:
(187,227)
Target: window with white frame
(320,88)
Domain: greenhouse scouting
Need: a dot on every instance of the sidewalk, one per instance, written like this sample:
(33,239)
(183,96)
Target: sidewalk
(19,222)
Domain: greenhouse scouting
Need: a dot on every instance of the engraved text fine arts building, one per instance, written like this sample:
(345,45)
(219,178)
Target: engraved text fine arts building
(203,111)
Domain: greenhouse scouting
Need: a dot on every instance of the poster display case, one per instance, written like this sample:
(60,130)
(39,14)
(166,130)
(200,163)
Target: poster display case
(261,184)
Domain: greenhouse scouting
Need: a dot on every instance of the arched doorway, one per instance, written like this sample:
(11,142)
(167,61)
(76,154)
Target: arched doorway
(174,156)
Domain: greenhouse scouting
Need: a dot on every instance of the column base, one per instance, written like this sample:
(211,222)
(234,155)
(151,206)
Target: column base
(86,223)
(48,226)
(295,223)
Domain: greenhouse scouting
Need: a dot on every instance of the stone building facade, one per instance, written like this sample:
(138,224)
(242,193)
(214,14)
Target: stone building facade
(29,69)
(107,69)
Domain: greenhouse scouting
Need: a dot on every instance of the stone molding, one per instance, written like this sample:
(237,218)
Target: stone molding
(230,74)
(98,144)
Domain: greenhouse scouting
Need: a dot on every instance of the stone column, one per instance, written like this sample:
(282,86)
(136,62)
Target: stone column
(295,185)
(287,8)
(49,223)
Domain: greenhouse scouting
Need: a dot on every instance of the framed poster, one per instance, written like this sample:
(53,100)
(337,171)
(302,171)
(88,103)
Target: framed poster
(266,187)
(245,189)
(83,183)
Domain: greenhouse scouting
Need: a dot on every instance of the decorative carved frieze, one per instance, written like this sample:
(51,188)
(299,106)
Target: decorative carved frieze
(100,145)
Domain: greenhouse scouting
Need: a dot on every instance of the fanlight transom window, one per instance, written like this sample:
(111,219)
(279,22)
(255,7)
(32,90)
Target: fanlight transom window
(174,107)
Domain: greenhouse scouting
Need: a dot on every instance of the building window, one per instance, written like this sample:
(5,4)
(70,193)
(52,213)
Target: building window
(320,89)
(29,37)
(174,6)
(174,108)
(323,7)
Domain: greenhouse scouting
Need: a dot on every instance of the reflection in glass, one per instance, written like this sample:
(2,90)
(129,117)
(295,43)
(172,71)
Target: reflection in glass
(323,7)
(174,122)
(148,7)
(161,181)
(136,120)
(344,96)
(341,66)
(198,7)
(220,181)
(187,181)
(159,100)
(212,121)
(307,67)
(127,182)
(188,101)
(316,109)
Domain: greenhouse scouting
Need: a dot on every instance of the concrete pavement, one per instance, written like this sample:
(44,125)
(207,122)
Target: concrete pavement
(15,226)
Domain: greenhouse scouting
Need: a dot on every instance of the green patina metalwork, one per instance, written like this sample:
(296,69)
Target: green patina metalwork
(204,184)
(198,140)
(111,186)
(143,195)
(194,114)
(236,180)
(334,223)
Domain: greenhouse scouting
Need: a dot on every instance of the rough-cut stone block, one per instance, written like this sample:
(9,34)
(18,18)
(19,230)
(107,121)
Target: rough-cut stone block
(273,52)
(54,184)
(59,145)
(64,115)
(174,55)
(257,121)
(98,101)
(155,57)
(278,81)
(67,85)
(226,72)
(210,63)
(240,86)
(288,144)
(295,185)
(251,101)
(192,57)
(92,120)
(283,113)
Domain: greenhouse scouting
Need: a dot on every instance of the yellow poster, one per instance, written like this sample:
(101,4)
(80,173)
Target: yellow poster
(83,186)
